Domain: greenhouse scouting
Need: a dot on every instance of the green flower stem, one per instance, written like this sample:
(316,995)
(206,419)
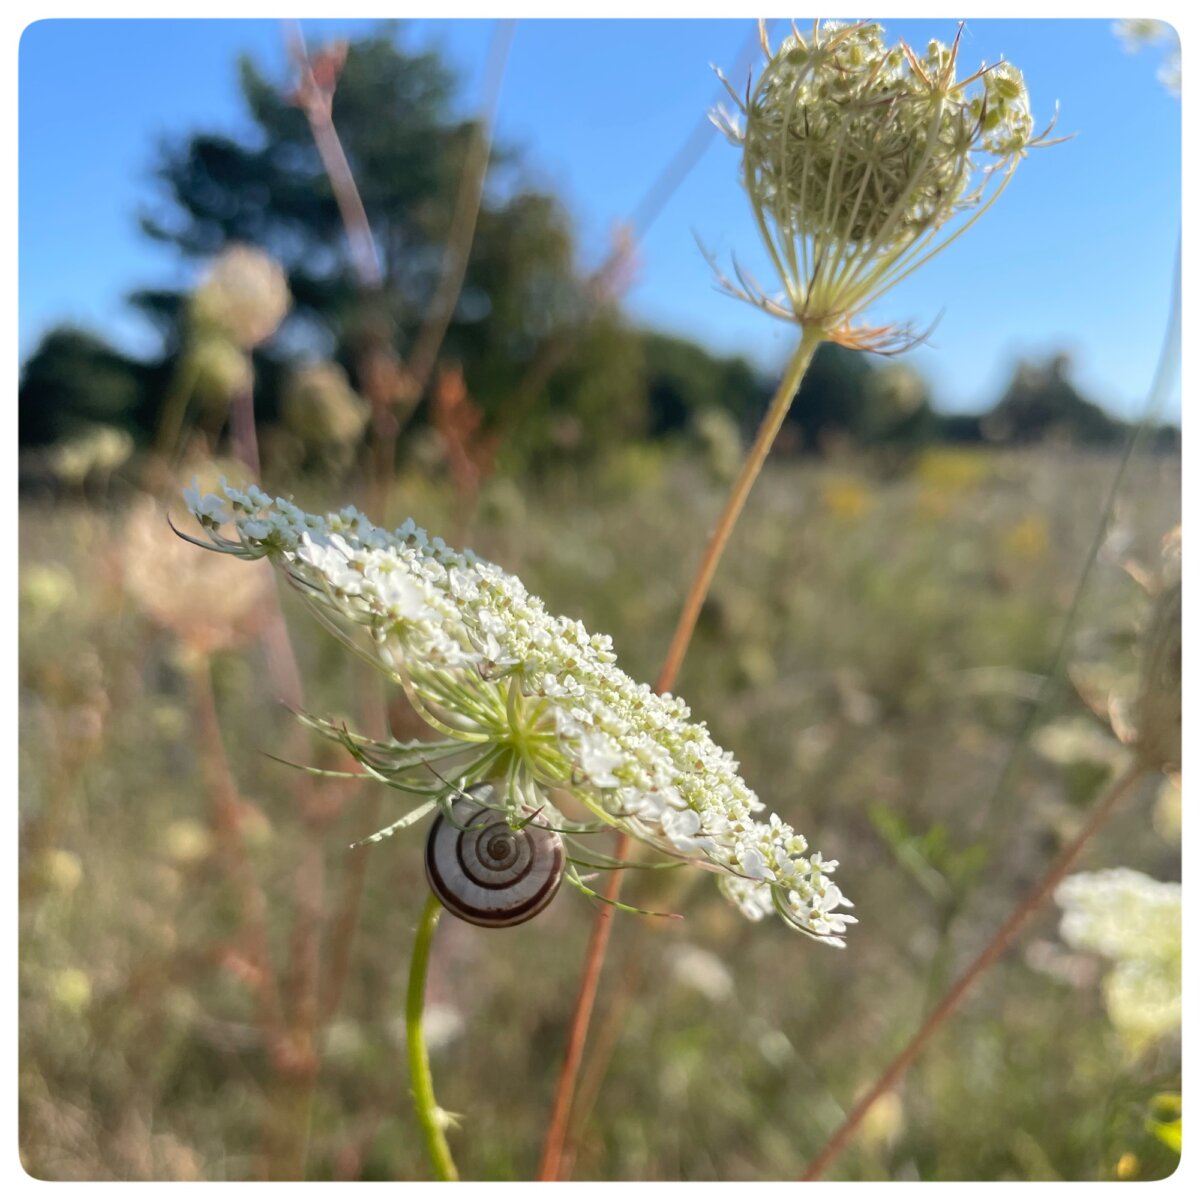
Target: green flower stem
(170,426)
(428,1113)
(767,432)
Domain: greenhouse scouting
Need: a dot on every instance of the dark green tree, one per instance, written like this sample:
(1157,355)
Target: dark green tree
(393,109)
(683,379)
(73,380)
(1041,403)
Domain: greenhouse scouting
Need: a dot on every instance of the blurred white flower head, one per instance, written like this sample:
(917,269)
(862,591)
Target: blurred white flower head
(1134,921)
(1139,32)
(531,700)
(210,605)
(244,296)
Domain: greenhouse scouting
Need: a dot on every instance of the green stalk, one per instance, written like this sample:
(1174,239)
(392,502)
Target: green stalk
(170,425)
(429,1114)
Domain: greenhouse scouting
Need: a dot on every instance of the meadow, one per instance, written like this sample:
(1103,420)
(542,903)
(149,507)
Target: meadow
(873,648)
(943,647)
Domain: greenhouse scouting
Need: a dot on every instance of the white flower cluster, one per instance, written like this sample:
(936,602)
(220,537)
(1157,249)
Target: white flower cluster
(483,661)
(1134,921)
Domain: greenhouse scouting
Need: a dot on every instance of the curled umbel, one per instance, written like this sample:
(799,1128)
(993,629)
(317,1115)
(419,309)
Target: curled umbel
(485,871)
(863,160)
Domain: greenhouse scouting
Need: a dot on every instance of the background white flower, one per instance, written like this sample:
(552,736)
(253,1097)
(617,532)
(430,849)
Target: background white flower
(1134,921)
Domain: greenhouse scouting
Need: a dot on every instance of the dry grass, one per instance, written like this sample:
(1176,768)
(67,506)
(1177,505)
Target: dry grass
(869,652)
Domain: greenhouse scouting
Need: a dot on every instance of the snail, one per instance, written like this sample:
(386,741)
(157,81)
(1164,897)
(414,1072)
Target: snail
(486,872)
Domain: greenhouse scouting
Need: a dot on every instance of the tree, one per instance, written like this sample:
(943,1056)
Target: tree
(393,112)
(74,380)
(683,379)
(1041,403)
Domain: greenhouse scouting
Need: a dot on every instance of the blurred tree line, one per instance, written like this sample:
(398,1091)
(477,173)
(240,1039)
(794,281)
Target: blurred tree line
(524,291)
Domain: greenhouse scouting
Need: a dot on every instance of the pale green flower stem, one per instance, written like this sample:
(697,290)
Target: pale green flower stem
(556,1135)
(429,1114)
(170,426)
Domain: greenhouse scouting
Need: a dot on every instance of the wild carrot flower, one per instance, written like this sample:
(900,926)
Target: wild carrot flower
(209,606)
(862,161)
(1138,32)
(244,296)
(527,699)
(1134,921)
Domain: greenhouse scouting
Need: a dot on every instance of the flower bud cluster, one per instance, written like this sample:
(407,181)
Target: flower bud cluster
(536,695)
(244,296)
(856,154)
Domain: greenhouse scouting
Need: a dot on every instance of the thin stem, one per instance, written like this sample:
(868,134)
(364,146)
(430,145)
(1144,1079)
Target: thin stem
(697,593)
(1028,905)
(243,433)
(556,1134)
(429,1114)
(466,215)
(170,426)
(252,901)
(564,1094)
(317,105)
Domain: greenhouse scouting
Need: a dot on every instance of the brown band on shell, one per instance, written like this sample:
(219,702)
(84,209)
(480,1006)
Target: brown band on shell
(488,873)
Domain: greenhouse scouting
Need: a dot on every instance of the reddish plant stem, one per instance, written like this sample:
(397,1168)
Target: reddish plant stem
(242,431)
(1028,905)
(223,797)
(295,1059)
(316,101)
(604,1045)
(387,384)
(345,922)
(560,1113)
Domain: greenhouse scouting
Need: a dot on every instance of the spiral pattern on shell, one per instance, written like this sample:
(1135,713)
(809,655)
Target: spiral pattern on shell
(484,871)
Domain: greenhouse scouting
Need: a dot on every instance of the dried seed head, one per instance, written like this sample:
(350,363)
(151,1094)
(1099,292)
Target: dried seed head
(210,604)
(321,407)
(857,155)
(244,296)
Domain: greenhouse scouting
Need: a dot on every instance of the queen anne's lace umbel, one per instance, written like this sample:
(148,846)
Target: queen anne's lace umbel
(862,161)
(1134,921)
(534,699)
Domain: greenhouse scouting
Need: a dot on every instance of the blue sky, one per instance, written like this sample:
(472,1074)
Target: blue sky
(1078,254)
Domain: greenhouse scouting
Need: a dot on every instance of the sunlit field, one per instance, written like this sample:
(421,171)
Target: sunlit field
(872,651)
(347,853)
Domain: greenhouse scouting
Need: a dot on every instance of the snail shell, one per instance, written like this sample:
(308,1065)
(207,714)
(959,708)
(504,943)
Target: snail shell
(486,872)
